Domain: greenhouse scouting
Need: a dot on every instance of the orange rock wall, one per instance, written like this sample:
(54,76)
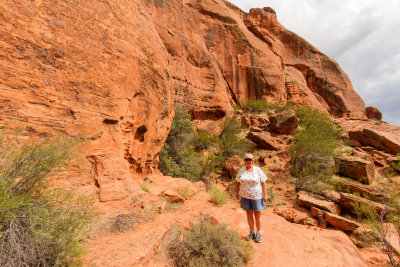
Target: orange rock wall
(113,70)
(95,67)
(221,56)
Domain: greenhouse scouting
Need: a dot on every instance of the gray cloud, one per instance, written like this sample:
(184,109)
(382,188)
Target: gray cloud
(361,35)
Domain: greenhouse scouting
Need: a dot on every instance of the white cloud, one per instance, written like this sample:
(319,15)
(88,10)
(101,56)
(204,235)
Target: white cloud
(361,35)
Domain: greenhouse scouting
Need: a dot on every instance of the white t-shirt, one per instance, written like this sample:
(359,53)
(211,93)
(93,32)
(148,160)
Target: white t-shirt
(250,182)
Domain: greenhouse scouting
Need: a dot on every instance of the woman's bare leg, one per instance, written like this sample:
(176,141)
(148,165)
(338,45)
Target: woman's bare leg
(250,219)
(257,215)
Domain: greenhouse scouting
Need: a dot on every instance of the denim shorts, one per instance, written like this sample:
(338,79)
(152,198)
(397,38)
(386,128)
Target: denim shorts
(252,204)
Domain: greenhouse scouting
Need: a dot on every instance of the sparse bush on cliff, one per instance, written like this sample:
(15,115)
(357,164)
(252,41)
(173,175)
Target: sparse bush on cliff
(383,224)
(218,198)
(39,226)
(208,245)
(231,143)
(315,143)
(179,158)
(396,166)
(196,155)
(258,106)
(145,187)
(186,193)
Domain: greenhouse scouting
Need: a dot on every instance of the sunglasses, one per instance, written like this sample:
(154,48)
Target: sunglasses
(248,160)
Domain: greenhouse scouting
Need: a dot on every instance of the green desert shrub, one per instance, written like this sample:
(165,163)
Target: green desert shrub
(196,155)
(231,144)
(185,192)
(179,158)
(122,222)
(317,133)
(145,187)
(39,226)
(273,199)
(379,223)
(206,141)
(396,166)
(316,141)
(218,198)
(208,245)
(259,106)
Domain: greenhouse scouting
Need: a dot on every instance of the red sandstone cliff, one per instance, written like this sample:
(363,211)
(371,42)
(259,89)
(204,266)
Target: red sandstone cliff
(113,70)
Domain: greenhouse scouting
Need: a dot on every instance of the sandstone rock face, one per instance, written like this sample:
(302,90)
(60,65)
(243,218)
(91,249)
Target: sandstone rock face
(374,113)
(338,222)
(99,68)
(308,200)
(311,78)
(219,54)
(356,168)
(114,69)
(284,122)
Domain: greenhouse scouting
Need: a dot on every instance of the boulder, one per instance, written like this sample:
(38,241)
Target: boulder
(331,195)
(284,122)
(337,221)
(374,113)
(112,191)
(308,200)
(300,218)
(233,165)
(347,202)
(311,221)
(364,153)
(264,140)
(262,120)
(380,140)
(288,214)
(361,189)
(245,121)
(295,216)
(275,167)
(255,129)
(172,196)
(356,168)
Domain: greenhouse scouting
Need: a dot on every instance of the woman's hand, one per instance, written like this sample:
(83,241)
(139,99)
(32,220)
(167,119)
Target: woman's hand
(237,190)
(264,190)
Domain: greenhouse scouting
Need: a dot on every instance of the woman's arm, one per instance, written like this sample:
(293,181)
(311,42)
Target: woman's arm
(237,190)
(264,191)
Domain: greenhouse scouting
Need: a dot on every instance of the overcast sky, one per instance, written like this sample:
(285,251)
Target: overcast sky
(363,36)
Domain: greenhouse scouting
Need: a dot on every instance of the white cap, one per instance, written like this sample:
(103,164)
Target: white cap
(249,156)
